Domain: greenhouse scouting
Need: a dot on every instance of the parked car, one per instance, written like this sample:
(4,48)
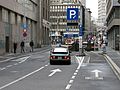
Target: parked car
(60,54)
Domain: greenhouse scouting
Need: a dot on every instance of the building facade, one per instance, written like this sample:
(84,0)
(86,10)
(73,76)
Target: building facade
(58,17)
(43,23)
(15,16)
(101,15)
(83,2)
(113,23)
(23,20)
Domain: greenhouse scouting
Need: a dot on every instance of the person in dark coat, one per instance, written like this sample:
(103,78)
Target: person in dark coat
(31,45)
(15,46)
(22,45)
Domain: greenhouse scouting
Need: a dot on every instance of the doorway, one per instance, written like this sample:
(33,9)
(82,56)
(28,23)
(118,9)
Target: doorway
(7,44)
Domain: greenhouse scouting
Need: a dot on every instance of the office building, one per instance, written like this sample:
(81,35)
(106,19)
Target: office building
(101,15)
(58,19)
(23,20)
(113,23)
(17,17)
(43,23)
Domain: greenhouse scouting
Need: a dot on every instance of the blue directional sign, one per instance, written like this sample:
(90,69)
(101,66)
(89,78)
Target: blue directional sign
(80,30)
(72,13)
(24,26)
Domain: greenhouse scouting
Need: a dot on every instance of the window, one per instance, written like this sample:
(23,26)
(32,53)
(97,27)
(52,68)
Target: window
(4,15)
(12,16)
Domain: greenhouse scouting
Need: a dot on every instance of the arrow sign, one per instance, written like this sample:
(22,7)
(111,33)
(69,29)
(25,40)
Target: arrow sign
(96,72)
(54,71)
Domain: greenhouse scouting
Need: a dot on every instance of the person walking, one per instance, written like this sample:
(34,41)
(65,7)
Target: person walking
(22,45)
(31,45)
(15,46)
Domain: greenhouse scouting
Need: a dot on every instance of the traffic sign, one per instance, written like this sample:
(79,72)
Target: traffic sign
(24,26)
(24,34)
(72,13)
(80,30)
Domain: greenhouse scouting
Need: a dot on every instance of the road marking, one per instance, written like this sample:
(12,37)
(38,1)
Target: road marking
(3,68)
(6,60)
(71,81)
(75,73)
(9,66)
(80,61)
(16,64)
(73,77)
(68,86)
(17,80)
(54,71)
(46,65)
(96,73)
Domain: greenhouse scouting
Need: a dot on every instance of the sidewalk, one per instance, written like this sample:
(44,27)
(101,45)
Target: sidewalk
(9,56)
(113,58)
(114,55)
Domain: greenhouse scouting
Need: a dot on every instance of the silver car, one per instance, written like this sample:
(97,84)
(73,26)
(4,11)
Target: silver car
(60,54)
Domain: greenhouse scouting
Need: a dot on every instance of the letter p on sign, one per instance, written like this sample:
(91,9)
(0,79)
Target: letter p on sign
(72,13)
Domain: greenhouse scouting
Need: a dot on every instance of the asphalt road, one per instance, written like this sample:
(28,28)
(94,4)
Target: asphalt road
(33,72)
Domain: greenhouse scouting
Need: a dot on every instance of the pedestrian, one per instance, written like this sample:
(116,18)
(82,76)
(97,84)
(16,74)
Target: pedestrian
(31,45)
(22,45)
(15,46)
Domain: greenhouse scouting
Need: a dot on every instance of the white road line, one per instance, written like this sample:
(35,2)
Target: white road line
(75,73)
(21,78)
(46,65)
(9,66)
(71,81)
(73,77)
(6,60)
(80,62)
(68,86)
(16,64)
(3,68)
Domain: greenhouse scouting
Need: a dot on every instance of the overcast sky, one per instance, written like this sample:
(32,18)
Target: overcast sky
(93,5)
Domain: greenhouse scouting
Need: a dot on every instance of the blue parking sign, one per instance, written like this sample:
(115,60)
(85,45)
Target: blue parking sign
(72,13)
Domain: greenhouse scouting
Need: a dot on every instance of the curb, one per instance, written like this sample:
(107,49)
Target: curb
(23,55)
(115,68)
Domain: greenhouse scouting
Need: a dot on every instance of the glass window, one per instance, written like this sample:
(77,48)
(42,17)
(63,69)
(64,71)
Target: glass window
(19,19)
(12,16)
(4,15)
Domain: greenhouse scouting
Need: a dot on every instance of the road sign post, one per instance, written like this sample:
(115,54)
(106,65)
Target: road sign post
(81,51)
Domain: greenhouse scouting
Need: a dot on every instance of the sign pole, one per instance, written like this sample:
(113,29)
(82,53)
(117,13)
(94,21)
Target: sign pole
(81,51)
